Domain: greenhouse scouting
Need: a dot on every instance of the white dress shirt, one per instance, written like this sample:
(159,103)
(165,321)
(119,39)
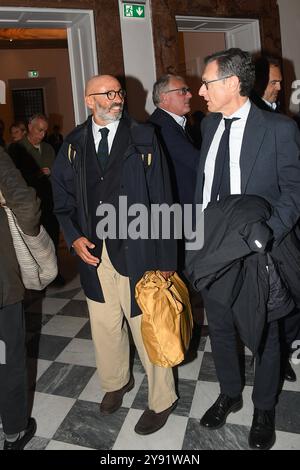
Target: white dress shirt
(271,105)
(235,145)
(112,126)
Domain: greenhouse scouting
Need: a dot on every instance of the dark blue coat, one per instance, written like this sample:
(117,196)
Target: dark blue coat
(140,182)
(183,156)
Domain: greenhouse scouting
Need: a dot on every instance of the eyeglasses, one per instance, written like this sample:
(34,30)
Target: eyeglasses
(111,94)
(182,91)
(207,82)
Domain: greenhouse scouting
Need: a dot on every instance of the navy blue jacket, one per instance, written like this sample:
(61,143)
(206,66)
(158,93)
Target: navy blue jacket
(182,155)
(144,180)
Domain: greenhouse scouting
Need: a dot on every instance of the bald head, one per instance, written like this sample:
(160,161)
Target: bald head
(105,109)
(107,82)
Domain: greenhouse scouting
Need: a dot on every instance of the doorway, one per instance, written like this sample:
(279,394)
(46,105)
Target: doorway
(201,36)
(81,42)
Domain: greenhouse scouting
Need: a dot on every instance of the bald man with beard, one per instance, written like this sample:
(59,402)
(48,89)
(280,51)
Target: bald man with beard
(101,160)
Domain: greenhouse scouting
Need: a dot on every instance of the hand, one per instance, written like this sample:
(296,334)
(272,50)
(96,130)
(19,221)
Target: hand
(45,171)
(167,274)
(81,246)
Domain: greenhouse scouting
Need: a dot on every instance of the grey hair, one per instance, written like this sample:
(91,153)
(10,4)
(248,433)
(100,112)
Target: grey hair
(234,61)
(37,116)
(161,86)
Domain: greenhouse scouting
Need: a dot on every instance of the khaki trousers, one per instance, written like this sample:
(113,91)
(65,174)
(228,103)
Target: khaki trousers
(111,341)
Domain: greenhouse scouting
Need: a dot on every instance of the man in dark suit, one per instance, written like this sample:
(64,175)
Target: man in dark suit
(109,157)
(268,80)
(263,160)
(172,97)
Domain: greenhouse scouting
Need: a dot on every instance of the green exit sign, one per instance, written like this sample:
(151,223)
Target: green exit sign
(134,11)
(33,73)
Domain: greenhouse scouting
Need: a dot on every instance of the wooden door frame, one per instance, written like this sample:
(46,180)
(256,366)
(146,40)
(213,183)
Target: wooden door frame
(165,35)
(107,28)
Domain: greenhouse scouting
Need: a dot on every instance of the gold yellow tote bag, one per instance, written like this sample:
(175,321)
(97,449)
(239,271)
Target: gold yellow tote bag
(167,320)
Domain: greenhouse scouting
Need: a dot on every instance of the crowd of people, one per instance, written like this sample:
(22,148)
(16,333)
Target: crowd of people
(249,155)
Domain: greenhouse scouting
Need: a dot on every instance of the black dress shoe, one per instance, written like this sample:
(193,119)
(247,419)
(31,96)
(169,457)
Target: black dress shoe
(21,442)
(262,433)
(216,415)
(289,373)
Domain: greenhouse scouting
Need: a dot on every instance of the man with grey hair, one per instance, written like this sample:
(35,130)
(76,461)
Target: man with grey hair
(172,96)
(34,158)
(246,151)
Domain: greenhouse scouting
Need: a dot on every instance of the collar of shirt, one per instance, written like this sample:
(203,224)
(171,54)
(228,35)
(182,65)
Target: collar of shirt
(235,143)
(241,113)
(181,120)
(271,105)
(112,126)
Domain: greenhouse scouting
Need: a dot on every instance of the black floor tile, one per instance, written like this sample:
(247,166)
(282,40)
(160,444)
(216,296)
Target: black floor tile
(85,426)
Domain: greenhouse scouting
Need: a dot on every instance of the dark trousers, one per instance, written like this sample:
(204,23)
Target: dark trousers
(290,329)
(225,353)
(13,373)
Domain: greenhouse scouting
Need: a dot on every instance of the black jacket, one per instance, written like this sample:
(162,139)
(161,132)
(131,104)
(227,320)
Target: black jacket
(144,180)
(231,266)
(22,200)
(183,157)
(269,164)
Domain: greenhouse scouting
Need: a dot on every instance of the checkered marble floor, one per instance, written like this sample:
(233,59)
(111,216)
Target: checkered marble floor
(65,391)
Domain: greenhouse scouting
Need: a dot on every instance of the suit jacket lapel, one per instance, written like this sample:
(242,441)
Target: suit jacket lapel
(208,136)
(252,140)
(164,116)
(120,142)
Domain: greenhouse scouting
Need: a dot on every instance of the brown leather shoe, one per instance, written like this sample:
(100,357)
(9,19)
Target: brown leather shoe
(151,422)
(112,401)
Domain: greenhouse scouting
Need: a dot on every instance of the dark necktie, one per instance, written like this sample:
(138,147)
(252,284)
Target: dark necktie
(103,148)
(221,181)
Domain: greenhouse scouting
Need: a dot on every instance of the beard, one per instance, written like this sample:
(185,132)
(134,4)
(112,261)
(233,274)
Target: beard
(104,113)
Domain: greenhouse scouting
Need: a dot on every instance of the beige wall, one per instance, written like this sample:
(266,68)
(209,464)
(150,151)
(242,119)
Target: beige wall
(54,77)
(194,47)
(290,36)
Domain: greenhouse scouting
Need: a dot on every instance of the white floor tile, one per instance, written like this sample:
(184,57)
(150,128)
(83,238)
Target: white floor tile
(245,415)
(191,370)
(40,366)
(286,441)
(57,445)
(205,395)
(49,412)
(63,325)
(79,352)
(93,391)
(293,386)
(207,347)
(170,437)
